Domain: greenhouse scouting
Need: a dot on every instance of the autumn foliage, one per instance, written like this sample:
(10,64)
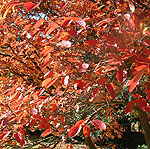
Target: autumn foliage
(66,65)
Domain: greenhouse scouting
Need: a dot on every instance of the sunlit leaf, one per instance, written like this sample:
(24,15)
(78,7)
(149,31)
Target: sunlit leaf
(30,5)
(46,132)
(64,43)
(132,7)
(99,124)
(82,23)
(65,80)
(38,23)
(73,131)
(136,79)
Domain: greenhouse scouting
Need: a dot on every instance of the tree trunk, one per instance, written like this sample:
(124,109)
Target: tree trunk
(90,143)
(145,125)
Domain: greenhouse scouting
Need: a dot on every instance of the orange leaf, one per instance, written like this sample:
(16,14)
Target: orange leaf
(50,81)
(73,131)
(30,5)
(136,79)
(38,24)
(86,131)
(50,28)
(54,107)
(46,51)
(79,122)
(15,3)
(46,132)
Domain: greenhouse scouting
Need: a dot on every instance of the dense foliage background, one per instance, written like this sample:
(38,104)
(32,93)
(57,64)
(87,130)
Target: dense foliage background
(73,71)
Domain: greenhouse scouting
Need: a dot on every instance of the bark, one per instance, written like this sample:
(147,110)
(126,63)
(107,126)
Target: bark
(90,143)
(145,125)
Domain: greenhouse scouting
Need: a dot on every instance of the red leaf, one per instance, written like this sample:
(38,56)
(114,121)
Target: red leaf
(54,107)
(4,134)
(110,90)
(95,92)
(32,122)
(50,28)
(65,80)
(22,142)
(46,132)
(65,23)
(22,132)
(62,4)
(47,126)
(135,80)
(99,124)
(63,119)
(40,125)
(72,32)
(38,24)
(120,76)
(147,108)
(17,137)
(86,131)
(103,22)
(130,106)
(98,71)
(55,122)
(48,82)
(91,43)
(30,5)
(79,122)
(101,81)
(15,3)
(141,103)
(73,131)
(79,84)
